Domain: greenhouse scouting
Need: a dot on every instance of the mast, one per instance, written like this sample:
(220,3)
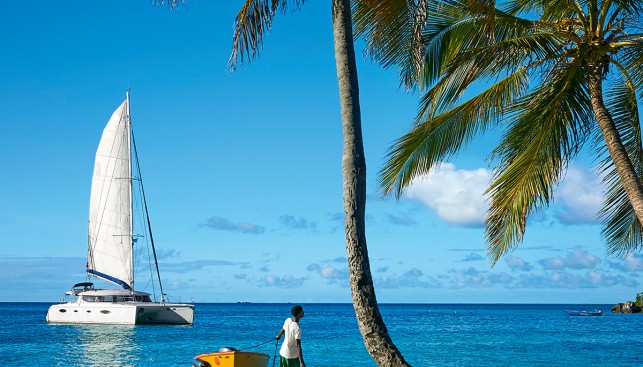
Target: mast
(147,215)
(128,127)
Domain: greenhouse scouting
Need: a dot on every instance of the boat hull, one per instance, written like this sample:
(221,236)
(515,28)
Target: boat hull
(584,313)
(120,313)
(231,359)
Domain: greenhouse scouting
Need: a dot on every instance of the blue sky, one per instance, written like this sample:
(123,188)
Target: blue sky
(243,170)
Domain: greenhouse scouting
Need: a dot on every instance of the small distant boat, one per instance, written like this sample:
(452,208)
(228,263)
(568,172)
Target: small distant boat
(584,313)
(231,357)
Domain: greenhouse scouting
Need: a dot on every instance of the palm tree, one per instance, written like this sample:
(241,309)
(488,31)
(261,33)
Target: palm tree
(553,74)
(253,20)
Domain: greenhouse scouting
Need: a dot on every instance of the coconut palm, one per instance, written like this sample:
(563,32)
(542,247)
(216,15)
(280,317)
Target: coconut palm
(551,75)
(253,21)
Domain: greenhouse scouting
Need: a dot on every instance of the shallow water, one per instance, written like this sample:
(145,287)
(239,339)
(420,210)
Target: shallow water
(427,335)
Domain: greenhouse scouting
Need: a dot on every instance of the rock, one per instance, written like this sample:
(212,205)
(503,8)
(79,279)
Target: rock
(628,307)
(617,308)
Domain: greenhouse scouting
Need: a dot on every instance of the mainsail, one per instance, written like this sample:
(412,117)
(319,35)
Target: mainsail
(110,210)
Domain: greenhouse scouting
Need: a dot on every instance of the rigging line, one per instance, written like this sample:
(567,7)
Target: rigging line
(258,345)
(140,215)
(149,224)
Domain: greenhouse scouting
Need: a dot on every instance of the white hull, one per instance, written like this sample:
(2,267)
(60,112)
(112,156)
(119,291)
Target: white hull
(111,307)
(120,313)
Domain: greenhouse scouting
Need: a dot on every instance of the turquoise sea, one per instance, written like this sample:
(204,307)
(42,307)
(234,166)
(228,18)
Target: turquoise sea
(427,335)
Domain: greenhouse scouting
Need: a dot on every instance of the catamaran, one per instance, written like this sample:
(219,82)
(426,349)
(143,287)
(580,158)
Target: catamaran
(112,239)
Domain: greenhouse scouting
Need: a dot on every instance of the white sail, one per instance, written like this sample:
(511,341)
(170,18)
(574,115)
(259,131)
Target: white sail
(110,221)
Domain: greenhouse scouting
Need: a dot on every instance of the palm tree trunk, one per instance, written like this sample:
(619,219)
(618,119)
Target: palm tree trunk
(374,332)
(622,162)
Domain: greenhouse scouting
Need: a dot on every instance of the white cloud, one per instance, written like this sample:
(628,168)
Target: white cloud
(189,266)
(473,257)
(579,196)
(632,262)
(557,279)
(565,280)
(517,263)
(162,253)
(296,223)
(223,224)
(287,281)
(327,271)
(330,273)
(456,195)
(413,278)
(576,259)
(553,263)
(404,220)
(473,278)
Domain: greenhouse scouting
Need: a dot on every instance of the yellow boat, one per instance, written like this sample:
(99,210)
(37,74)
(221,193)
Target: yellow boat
(230,357)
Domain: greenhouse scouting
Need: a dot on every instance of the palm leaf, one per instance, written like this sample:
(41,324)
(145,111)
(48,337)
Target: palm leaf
(252,22)
(390,29)
(549,126)
(631,57)
(487,64)
(435,140)
(171,3)
(419,37)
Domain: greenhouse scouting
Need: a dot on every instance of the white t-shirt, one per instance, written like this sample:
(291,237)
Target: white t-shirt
(292,333)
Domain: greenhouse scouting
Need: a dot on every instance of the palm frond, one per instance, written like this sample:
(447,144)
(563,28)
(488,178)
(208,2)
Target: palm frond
(631,57)
(549,126)
(633,7)
(253,21)
(521,6)
(390,31)
(419,37)
(439,137)
(171,3)
(488,63)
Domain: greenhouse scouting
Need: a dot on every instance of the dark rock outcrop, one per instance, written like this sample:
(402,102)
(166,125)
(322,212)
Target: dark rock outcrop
(628,307)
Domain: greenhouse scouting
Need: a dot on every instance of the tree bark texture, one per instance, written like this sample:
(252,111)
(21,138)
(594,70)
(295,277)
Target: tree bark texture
(622,162)
(371,325)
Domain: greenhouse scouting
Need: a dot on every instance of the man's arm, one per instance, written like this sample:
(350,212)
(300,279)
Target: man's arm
(280,334)
(301,354)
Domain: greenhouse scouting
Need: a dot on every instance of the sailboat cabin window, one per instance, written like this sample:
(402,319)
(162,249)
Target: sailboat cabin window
(143,299)
(128,298)
(97,299)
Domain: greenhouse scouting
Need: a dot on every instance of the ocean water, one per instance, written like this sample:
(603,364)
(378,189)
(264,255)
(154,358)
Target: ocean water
(427,335)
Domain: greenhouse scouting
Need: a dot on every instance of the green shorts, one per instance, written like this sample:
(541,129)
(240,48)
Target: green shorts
(285,362)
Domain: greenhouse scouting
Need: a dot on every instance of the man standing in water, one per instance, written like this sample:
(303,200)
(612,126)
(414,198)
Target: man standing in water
(290,352)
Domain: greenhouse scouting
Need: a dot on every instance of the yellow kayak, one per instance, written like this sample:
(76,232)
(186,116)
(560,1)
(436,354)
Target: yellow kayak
(230,357)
